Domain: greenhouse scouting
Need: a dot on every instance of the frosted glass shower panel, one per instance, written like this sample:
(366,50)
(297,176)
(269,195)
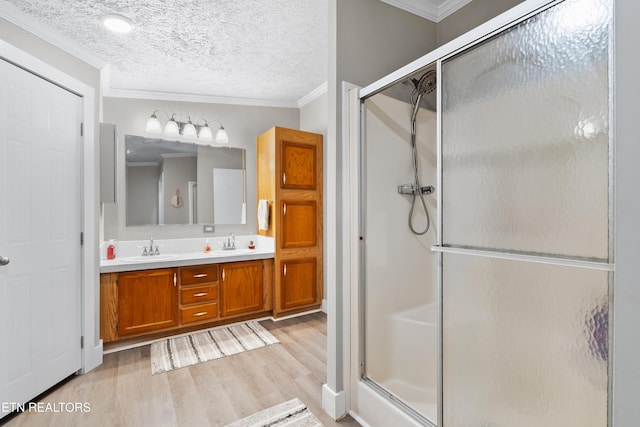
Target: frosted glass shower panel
(524,344)
(526,138)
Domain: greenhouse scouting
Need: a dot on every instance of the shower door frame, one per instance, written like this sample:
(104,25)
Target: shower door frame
(358,381)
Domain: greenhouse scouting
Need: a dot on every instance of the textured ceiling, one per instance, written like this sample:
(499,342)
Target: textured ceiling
(271,50)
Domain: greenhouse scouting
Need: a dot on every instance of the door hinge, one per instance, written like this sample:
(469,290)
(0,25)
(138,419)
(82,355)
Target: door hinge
(82,342)
(81,129)
(81,238)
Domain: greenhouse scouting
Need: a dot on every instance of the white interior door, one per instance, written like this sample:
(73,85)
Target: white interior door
(40,225)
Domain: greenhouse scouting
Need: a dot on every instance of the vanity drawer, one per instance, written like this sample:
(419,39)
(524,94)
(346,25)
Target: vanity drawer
(198,313)
(199,294)
(198,274)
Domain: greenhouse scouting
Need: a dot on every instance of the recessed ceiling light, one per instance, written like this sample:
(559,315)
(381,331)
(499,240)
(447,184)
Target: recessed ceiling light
(117,23)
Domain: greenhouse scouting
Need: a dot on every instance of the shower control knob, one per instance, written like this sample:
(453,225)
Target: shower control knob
(4,260)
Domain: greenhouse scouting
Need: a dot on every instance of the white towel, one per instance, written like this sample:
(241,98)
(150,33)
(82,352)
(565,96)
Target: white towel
(263,214)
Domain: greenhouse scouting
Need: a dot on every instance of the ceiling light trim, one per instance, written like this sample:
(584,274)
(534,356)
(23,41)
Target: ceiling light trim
(429,10)
(14,15)
(182,97)
(313,95)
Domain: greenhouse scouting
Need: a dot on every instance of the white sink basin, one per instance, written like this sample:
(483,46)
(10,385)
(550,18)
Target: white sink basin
(147,258)
(232,252)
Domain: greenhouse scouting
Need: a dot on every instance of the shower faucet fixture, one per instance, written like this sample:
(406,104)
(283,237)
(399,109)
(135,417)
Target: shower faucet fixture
(415,190)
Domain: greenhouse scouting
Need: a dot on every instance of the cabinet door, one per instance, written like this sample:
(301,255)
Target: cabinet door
(241,288)
(299,226)
(298,283)
(147,301)
(298,165)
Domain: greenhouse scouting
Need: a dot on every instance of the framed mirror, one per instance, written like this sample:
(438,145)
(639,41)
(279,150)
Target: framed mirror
(172,182)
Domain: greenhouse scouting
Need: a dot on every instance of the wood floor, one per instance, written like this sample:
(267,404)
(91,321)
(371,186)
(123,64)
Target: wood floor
(122,391)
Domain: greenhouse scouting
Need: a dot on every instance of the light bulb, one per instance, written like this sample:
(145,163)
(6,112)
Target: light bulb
(189,130)
(117,23)
(153,124)
(221,136)
(205,133)
(172,128)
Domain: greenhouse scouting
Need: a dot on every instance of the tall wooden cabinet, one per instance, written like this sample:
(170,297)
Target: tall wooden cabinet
(290,180)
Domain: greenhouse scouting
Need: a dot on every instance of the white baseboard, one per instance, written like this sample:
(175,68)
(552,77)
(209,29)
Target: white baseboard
(334,404)
(360,421)
(323,307)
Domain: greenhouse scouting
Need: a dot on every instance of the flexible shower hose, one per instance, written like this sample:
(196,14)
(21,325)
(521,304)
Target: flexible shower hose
(417,187)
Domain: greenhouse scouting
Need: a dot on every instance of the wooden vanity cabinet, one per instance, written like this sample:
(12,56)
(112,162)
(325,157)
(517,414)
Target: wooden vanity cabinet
(198,293)
(290,178)
(166,301)
(241,288)
(147,301)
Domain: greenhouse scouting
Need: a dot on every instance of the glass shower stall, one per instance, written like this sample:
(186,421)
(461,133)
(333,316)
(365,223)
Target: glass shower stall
(498,315)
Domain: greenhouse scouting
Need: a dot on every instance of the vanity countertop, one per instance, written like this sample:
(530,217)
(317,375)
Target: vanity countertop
(180,257)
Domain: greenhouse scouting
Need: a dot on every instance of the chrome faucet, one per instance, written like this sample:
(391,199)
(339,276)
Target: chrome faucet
(151,250)
(229,245)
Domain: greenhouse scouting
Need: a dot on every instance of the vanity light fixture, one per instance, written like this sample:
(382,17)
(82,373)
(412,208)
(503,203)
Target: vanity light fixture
(117,23)
(186,129)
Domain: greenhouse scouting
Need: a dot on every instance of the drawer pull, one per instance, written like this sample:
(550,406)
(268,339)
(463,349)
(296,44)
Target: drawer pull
(201,294)
(284,209)
(284,178)
(175,279)
(285,270)
(200,313)
(223,275)
(198,276)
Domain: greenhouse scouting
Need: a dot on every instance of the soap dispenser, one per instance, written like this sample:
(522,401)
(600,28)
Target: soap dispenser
(207,247)
(111,250)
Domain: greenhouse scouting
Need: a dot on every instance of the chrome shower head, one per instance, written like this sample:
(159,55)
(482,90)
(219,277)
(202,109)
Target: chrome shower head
(427,83)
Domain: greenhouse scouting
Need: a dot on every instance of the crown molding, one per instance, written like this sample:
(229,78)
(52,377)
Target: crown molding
(14,15)
(185,97)
(314,94)
(428,10)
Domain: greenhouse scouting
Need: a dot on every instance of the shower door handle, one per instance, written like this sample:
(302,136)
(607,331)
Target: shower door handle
(4,260)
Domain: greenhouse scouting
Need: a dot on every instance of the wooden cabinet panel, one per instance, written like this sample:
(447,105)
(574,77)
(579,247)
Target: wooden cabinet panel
(298,165)
(198,294)
(198,313)
(299,283)
(199,274)
(108,307)
(241,288)
(147,301)
(298,223)
(289,163)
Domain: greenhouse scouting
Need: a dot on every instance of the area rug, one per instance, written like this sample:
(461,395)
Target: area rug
(289,414)
(179,352)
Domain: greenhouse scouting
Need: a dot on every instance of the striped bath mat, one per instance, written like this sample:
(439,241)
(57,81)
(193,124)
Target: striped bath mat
(293,413)
(174,353)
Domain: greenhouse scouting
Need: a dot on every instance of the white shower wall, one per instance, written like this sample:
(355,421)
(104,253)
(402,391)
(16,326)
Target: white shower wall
(400,269)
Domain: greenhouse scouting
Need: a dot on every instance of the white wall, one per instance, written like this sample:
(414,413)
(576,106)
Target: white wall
(243,124)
